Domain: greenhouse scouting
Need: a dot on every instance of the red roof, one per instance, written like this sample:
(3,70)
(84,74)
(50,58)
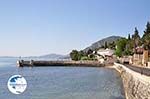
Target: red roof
(139,50)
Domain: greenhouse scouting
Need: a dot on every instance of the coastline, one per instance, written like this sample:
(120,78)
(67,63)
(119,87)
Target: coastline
(131,80)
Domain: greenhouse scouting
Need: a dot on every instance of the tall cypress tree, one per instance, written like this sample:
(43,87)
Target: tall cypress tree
(136,38)
(136,33)
(146,37)
(106,45)
(129,38)
(147,30)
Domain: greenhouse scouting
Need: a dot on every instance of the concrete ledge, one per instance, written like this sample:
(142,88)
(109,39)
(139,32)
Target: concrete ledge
(136,85)
(32,63)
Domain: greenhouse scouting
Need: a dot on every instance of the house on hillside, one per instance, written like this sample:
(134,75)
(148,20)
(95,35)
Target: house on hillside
(103,54)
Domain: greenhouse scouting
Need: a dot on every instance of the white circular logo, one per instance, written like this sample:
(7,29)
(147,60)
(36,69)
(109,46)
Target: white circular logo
(17,84)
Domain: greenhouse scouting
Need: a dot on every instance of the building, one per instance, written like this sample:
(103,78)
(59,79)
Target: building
(138,56)
(105,52)
(141,57)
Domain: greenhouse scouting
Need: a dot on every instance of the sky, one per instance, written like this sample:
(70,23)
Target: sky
(38,27)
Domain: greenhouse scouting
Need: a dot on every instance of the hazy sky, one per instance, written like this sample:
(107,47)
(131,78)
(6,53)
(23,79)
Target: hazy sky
(36,27)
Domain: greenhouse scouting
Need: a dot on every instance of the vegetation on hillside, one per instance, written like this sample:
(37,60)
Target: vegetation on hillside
(122,46)
(81,55)
(128,46)
(103,43)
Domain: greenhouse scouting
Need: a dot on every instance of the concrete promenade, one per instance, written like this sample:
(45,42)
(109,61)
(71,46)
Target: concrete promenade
(32,63)
(136,81)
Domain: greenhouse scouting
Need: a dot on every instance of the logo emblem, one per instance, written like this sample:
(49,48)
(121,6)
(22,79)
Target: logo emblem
(17,84)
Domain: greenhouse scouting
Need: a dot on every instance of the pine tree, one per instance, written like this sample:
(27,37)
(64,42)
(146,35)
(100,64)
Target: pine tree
(147,30)
(136,33)
(146,37)
(129,38)
(136,38)
(106,45)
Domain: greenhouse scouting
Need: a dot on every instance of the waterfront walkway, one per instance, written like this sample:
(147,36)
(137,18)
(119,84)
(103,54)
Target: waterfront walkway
(32,63)
(142,70)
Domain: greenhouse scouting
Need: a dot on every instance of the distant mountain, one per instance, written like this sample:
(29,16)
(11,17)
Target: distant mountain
(48,56)
(54,56)
(8,57)
(101,43)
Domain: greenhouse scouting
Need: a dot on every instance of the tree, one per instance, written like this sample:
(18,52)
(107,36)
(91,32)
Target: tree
(82,53)
(111,45)
(89,51)
(106,45)
(120,46)
(146,37)
(74,55)
(136,33)
(129,38)
(147,42)
(102,46)
(130,47)
(147,30)
(136,38)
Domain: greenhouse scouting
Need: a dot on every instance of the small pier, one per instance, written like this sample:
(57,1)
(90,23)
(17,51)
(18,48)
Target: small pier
(33,63)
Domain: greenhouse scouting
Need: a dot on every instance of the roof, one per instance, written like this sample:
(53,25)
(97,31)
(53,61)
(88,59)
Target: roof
(139,50)
(105,52)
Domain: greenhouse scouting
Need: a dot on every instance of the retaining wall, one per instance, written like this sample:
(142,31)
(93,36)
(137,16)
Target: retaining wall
(136,85)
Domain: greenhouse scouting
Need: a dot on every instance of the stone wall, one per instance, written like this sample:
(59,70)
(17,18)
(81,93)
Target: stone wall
(136,85)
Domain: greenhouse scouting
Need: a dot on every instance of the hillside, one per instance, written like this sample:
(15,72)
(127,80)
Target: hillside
(101,43)
(55,56)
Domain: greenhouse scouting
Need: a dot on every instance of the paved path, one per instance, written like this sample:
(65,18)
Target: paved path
(145,71)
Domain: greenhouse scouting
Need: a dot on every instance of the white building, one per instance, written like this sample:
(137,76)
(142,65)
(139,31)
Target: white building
(105,52)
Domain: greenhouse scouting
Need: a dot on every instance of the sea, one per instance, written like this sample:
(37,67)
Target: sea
(61,82)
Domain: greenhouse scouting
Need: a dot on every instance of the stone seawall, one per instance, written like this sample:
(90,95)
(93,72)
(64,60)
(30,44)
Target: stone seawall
(33,63)
(136,85)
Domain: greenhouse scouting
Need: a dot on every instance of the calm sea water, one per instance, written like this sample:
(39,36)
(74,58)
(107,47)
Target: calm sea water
(62,82)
